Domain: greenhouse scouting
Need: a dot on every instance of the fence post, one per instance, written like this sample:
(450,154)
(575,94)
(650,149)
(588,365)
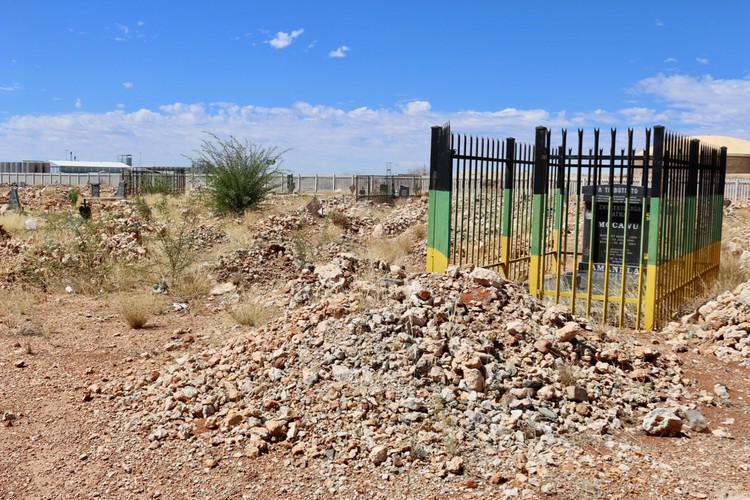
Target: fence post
(560,204)
(538,208)
(691,207)
(439,217)
(654,228)
(719,211)
(507,224)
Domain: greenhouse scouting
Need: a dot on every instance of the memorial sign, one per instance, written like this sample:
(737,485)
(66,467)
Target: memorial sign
(615,227)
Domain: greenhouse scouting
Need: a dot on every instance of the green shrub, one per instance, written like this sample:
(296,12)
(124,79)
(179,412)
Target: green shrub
(238,174)
(73,195)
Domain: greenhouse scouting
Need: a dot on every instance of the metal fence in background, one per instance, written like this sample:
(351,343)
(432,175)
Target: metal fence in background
(49,179)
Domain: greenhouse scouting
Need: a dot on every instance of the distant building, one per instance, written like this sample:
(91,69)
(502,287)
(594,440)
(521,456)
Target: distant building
(87,167)
(738,151)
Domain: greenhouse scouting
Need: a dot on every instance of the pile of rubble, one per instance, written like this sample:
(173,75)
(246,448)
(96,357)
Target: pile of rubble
(720,326)
(463,362)
(284,245)
(412,212)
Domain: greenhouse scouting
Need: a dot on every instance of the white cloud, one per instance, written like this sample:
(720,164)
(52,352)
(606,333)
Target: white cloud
(659,23)
(340,52)
(702,104)
(416,107)
(283,39)
(702,60)
(670,60)
(10,88)
(128,85)
(78,103)
(327,139)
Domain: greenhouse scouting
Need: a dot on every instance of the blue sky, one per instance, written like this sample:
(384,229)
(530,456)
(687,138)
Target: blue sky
(350,86)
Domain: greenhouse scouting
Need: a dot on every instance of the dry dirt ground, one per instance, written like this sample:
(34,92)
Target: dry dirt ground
(65,432)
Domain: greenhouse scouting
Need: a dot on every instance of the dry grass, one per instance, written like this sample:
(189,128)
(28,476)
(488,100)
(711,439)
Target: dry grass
(136,309)
(567,373)
(19,302)
(396,250)
(195,283)
(338,219)
(371,293)
(13,222)
(252,312)
(731,273)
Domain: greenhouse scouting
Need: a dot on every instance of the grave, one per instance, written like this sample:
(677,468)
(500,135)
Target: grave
(619,234)
(15,202)
(95,190)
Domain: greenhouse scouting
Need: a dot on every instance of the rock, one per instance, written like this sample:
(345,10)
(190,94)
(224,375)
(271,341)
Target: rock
(486,277)
(233,418)
(568,332)
(474,379)
(498,478)
(576,393)
(662,422)
(455,465)
(9,416)
(378,455)
(223,288)
(696,421)
(158,434)
(19,363)
(722,433)
(543,346)
(721,391)
(275,428)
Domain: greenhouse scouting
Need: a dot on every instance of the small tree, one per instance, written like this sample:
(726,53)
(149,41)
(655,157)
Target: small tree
(238,173)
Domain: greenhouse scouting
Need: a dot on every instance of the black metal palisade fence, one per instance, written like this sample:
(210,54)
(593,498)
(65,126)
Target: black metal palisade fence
(609,229)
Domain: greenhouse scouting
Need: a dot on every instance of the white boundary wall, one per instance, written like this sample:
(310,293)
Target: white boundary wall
(736,188)
(33,179)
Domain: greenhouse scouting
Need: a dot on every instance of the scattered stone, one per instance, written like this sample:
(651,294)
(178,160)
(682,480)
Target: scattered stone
(568,332)
(378,455)
(455,465)
(696,421)
(223,288)
(721,391)
(662,422)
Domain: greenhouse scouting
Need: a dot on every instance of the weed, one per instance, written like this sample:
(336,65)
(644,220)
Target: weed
(567,373)
(300,246)
(12,222)
(161,205)
(451,446)
(396,250)
(176,251)
(193,283)
(73,195)
(338,219)
(143,209)
(19,302)
(136,310)
(251,313)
